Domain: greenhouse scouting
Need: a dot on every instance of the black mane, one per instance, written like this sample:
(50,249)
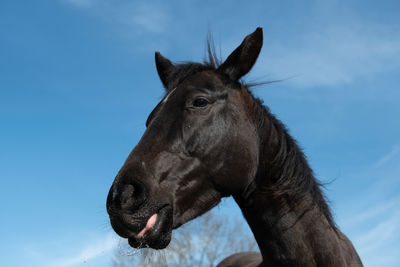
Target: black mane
(295,177)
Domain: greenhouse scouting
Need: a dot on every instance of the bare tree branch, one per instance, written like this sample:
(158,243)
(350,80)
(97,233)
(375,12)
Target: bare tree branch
(203,242)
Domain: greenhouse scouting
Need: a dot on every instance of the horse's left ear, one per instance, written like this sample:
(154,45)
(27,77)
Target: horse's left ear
(164,68)
(245,55)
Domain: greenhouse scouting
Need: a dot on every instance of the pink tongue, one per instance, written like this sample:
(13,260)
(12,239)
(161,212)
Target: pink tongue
(150,224)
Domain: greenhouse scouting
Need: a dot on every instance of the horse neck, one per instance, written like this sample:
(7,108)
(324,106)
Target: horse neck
(284,205)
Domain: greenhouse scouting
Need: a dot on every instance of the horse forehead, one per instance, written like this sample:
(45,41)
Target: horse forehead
(204,79)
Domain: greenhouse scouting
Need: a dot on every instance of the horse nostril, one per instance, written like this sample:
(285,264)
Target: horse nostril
(130,196)
(127,196)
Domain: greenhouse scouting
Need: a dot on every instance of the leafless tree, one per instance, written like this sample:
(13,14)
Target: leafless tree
(203,242)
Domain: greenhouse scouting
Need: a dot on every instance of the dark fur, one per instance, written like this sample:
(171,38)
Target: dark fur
(192,154)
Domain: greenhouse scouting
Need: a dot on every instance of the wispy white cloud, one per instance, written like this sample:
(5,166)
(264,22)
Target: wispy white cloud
(339,54)
(84,249)
(379,234)
(132,16)
(372,213)
(151,18)
(376,245)
(87,253)
(388,157)
(80,3)
(373,225)
(375,233)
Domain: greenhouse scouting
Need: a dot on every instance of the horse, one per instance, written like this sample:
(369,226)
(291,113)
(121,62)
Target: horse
(209,138)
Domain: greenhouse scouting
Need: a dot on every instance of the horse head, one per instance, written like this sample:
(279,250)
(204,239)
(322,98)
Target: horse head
(200,145)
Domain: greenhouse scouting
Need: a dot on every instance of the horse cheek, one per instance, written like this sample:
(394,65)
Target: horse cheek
(240,161)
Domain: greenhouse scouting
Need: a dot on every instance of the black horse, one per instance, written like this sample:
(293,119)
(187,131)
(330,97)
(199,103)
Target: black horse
(211,138)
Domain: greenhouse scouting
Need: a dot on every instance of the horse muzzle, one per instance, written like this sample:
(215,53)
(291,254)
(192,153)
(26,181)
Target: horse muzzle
(145,222)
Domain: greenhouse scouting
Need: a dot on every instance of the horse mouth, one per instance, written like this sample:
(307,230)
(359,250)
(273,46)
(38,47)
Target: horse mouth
(156,233)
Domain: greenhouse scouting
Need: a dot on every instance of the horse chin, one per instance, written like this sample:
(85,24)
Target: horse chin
(193,213)
(159,235)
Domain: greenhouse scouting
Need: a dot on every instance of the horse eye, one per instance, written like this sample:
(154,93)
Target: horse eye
(200,102)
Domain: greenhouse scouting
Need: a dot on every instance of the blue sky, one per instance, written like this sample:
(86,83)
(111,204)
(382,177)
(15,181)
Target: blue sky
(77,81)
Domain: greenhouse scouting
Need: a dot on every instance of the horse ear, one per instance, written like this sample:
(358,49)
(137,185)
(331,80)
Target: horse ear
(244,56)
(164,68)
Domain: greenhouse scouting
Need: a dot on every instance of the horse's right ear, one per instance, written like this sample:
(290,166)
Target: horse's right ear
(244,56)
(164,68)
